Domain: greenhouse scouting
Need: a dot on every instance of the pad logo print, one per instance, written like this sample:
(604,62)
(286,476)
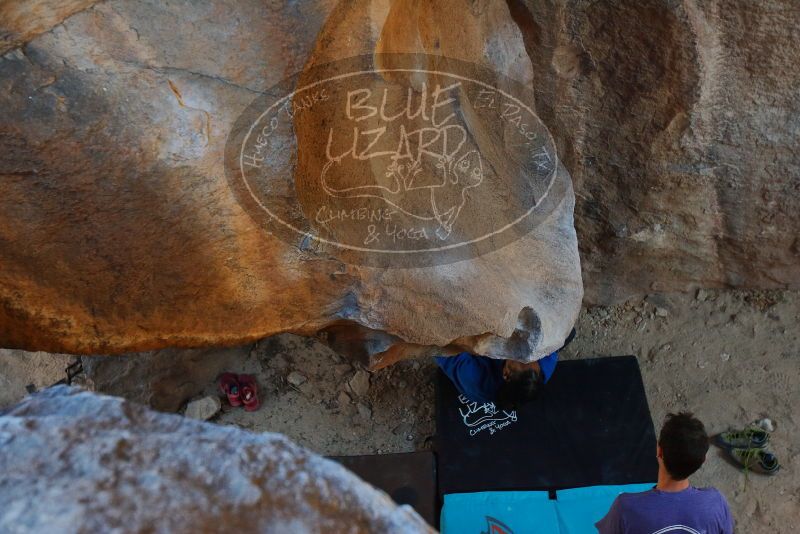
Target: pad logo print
(484,416)
(495,526)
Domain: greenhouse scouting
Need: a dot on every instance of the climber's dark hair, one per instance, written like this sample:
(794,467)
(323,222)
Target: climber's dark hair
(520,388)
(684,444)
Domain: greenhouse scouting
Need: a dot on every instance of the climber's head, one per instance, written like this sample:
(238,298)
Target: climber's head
(522,382)
(682,445)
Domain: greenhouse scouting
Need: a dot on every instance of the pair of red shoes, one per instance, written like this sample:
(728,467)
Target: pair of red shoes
(240,390)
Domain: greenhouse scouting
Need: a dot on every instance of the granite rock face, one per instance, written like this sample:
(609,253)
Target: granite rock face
(120,231)
(677,122)
(74,461)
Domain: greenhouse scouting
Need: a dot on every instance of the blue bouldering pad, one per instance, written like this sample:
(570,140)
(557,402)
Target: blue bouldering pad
(579,509)
(572,511)
(499,512)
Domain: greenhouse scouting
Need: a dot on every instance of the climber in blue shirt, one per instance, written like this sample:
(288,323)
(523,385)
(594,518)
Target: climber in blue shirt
(506,383)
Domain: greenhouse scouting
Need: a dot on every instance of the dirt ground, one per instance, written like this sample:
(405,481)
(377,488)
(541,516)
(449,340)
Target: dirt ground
(730,357)
(19,369)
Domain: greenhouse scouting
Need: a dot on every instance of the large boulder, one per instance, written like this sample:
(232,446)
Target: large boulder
(122,232)
(75,461)
(118,230)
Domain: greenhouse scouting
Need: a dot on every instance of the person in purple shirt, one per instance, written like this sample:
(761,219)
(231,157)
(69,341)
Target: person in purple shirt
(673,506)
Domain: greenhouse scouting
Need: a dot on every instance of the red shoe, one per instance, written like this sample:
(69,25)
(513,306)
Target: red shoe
(229,385)
(249,393)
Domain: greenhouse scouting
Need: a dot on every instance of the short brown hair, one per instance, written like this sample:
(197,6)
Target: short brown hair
(521,387)
(684,444)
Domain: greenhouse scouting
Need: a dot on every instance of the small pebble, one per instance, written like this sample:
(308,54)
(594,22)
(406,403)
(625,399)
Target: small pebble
(203,409)
(725,356)
(359,383)
(662,312)
(296,378)
(766,424)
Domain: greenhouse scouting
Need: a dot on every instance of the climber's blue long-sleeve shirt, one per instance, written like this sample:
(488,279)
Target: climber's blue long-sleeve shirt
(479,378)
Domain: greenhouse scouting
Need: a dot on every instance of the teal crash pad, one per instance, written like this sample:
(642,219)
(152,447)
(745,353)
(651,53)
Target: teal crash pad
(499,512)
(573,511)
(580,508)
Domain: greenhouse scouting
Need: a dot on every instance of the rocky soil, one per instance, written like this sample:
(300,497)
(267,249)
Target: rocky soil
(331,406)
(731,357)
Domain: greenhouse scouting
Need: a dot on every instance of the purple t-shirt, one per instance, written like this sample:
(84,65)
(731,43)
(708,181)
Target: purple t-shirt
(691,511)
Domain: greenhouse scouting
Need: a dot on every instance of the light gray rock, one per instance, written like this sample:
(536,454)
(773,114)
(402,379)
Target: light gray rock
(702,295)
(359,383)
(296,379)
(766,424)
(203,409)
(75,461)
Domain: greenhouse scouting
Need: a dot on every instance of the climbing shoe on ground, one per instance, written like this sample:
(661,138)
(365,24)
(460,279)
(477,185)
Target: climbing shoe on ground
(249,392)
(750,438)
(756,460)
(229,386)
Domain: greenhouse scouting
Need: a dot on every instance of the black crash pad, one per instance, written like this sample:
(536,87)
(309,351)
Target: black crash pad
(590,426)
(408,478)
